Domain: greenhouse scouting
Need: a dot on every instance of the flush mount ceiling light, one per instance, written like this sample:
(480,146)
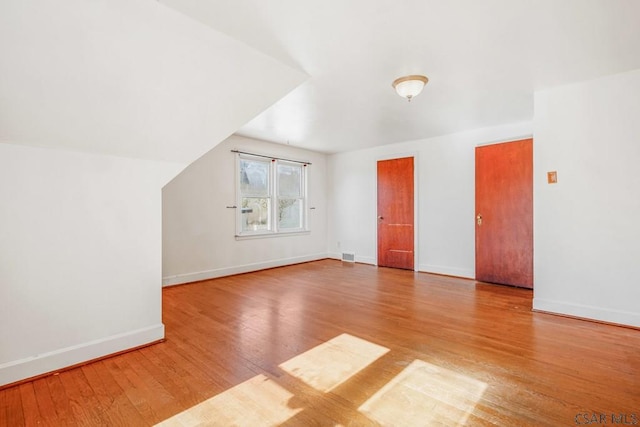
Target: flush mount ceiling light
(409,86)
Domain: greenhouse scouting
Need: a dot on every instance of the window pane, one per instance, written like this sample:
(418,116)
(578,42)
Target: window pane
(255,213)
(289,180)
(254,177)
(289,214)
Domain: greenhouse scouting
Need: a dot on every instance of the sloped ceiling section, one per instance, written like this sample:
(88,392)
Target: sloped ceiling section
(130,78)
(484,60)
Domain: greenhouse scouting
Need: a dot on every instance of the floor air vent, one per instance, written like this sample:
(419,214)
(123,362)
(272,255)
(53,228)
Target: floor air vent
(348,257)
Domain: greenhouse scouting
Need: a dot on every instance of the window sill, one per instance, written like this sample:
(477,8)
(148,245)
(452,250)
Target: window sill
(268,235)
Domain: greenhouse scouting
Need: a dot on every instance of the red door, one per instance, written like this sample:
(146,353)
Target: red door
(395,213)
(504,213)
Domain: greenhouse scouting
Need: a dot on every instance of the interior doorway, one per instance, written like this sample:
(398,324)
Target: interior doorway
(504,213)
(396,213)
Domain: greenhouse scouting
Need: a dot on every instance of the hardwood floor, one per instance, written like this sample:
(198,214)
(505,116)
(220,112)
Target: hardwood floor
(330,343)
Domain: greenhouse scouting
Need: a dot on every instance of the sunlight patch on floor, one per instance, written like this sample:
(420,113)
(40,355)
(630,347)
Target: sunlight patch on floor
(333,362)
(425,394)
(422,394)
(256,402)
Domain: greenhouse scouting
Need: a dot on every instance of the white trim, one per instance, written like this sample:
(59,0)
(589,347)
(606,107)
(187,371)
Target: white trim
(504,141)
(180,279)
(587,312)
(366,260)
(448,271)
(359,259)
(39,364)
(271,234)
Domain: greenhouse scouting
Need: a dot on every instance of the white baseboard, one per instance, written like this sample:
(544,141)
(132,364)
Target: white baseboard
(360,259)
(587,312)
(55,360)
(448,271)
(366,260)
(180,279)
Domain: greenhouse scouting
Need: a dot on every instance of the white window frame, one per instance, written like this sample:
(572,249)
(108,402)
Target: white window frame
(272,228)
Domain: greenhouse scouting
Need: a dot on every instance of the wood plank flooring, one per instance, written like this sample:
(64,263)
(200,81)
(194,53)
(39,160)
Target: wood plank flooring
(445,351)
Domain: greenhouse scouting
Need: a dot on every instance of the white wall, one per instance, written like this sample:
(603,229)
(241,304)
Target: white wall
(132,78)
(587,226)
(80,243)
(199,231)
(80,249)
(445,198)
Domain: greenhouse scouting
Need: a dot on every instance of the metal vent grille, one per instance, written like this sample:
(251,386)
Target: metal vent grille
(348,257)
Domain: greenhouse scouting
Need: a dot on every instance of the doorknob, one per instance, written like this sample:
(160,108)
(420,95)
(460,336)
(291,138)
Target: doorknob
(479,219)
(380,218)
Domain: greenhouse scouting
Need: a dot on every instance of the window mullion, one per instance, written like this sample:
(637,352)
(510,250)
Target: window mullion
(274,196)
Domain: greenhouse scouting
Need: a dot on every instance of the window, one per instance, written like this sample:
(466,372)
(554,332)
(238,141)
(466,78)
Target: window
(271,196)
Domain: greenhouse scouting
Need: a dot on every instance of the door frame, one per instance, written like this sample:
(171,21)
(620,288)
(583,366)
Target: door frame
(416,217)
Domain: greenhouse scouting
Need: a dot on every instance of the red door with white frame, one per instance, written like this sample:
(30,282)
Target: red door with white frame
(395,213)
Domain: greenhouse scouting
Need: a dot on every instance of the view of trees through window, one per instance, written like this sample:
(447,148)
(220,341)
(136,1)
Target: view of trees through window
(265,184)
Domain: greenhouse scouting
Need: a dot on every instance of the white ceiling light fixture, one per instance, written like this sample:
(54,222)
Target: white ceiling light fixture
(409,86)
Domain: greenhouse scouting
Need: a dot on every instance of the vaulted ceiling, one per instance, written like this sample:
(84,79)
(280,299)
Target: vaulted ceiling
(484,58)
(169,79)
(130,78)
